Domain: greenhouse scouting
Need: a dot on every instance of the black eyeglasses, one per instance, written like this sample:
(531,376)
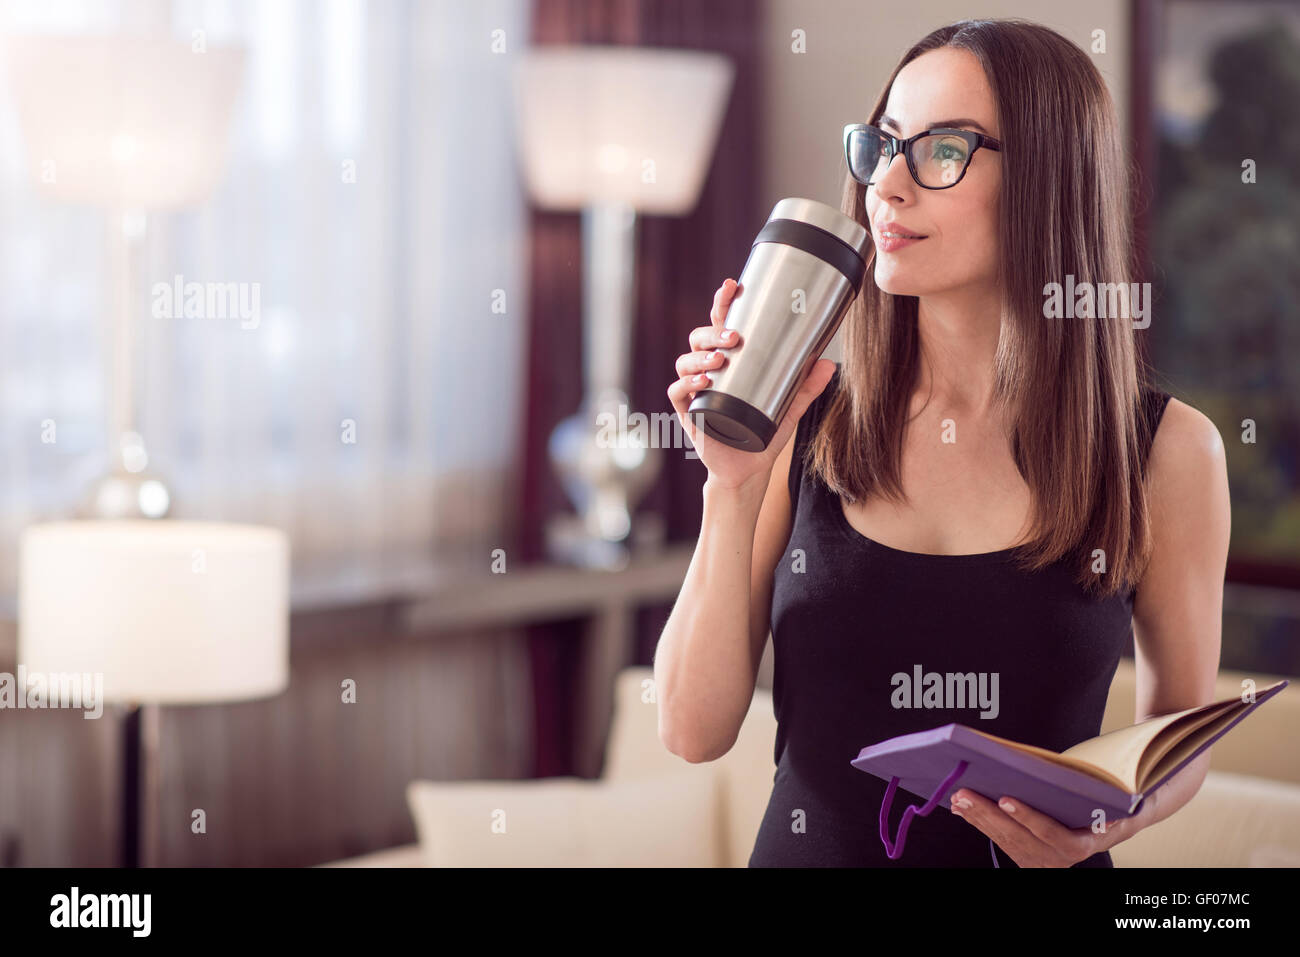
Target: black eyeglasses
(937,159)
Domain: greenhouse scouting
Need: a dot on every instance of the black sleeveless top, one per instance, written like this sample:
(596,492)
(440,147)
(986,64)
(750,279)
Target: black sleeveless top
(848,613)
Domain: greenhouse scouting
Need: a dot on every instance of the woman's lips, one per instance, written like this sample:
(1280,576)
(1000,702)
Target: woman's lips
(889,244)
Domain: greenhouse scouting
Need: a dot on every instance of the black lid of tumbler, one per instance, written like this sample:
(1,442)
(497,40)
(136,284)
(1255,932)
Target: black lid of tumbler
(732,421)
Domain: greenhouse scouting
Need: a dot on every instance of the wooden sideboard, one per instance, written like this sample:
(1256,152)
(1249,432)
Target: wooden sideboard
(300,778)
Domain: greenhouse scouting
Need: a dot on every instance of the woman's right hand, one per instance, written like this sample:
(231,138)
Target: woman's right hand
(729,467)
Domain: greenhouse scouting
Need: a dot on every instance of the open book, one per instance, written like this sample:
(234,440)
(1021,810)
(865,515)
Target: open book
(1112,773)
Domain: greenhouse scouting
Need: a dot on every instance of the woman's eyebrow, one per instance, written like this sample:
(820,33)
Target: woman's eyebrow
(936,124)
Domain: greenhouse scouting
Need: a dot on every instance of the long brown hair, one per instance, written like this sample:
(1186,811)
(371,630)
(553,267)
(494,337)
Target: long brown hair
(1069,386)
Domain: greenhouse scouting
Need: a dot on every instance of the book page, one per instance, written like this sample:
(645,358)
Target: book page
(1178,733)
(1120,752)
(1130,758)
(1061,760)
(1184,746)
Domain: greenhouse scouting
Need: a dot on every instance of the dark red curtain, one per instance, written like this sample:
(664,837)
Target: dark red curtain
(680,262)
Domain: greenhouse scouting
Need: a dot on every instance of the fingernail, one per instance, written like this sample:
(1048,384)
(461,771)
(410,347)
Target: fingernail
(963,803)
(1007,806)
(728,334)
(702,378)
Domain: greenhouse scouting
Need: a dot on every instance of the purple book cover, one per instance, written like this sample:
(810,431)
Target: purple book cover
(925,760)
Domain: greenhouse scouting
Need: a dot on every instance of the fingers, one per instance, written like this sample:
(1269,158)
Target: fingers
(813,385)
(722,301)
(705,356)
(1006,833)
(691,363)
(683,390)
(713,337)
(1046,829)
(819,376)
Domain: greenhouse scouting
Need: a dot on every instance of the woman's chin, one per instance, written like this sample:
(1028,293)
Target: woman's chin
(897,284)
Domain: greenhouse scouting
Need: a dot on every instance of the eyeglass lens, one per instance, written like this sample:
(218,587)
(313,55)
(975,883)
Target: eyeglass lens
(939,159)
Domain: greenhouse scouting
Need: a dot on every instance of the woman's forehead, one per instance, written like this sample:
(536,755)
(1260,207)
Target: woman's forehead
(941,85)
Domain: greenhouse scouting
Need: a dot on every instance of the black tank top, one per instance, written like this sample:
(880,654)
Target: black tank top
(849,613)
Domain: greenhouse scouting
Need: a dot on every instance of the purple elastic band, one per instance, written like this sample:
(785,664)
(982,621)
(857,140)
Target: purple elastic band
(894,852)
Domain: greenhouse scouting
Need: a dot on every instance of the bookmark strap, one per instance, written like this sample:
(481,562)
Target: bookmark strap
(895,851)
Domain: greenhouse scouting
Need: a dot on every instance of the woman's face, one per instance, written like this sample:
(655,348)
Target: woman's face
(960,223)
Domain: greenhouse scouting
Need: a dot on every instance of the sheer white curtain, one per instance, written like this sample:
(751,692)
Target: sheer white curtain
(372,195)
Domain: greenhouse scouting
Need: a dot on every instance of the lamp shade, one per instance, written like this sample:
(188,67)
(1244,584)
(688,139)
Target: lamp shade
(169,612)
(123,121)
(618,124)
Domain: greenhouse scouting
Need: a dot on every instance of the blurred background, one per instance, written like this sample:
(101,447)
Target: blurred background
(350,270)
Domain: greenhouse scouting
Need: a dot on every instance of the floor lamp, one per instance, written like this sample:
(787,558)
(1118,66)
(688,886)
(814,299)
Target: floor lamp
(130,125)
(167,613)
(615,133)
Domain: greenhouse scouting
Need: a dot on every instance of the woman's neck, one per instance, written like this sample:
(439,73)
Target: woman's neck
(958,346)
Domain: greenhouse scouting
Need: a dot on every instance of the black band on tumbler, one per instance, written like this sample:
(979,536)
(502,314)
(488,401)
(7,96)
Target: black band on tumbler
(827,247)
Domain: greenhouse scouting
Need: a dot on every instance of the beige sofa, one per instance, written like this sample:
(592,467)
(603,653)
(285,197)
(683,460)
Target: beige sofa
(651,808)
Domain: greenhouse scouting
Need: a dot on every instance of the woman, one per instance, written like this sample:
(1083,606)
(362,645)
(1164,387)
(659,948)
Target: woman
(982,486)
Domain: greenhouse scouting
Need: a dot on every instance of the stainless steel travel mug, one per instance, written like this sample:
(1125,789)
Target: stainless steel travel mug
(803,271)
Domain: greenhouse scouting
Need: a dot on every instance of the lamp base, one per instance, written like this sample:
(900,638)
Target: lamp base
(568,540)
(132,749)
(122,494)
(605,467)
(140,785)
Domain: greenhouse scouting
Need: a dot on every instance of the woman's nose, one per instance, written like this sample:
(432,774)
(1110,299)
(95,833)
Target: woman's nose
(895,179)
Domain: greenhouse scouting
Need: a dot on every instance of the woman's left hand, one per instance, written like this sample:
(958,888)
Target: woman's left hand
(1032,839)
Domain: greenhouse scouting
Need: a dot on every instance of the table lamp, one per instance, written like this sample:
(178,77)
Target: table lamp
(614,132)
(168,613)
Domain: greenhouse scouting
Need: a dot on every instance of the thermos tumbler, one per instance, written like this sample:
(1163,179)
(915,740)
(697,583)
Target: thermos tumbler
(804,269)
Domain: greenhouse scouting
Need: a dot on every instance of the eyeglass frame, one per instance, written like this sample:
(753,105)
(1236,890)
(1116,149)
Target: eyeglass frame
(973,141)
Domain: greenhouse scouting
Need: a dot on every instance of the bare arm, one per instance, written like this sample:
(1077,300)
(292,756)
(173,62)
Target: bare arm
(1178,610)
(706,663)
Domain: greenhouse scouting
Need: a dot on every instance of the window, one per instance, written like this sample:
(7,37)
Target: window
(371,197)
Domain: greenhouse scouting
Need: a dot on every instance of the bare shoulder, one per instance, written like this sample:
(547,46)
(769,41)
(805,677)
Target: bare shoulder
(1188,480)
(1188,450)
